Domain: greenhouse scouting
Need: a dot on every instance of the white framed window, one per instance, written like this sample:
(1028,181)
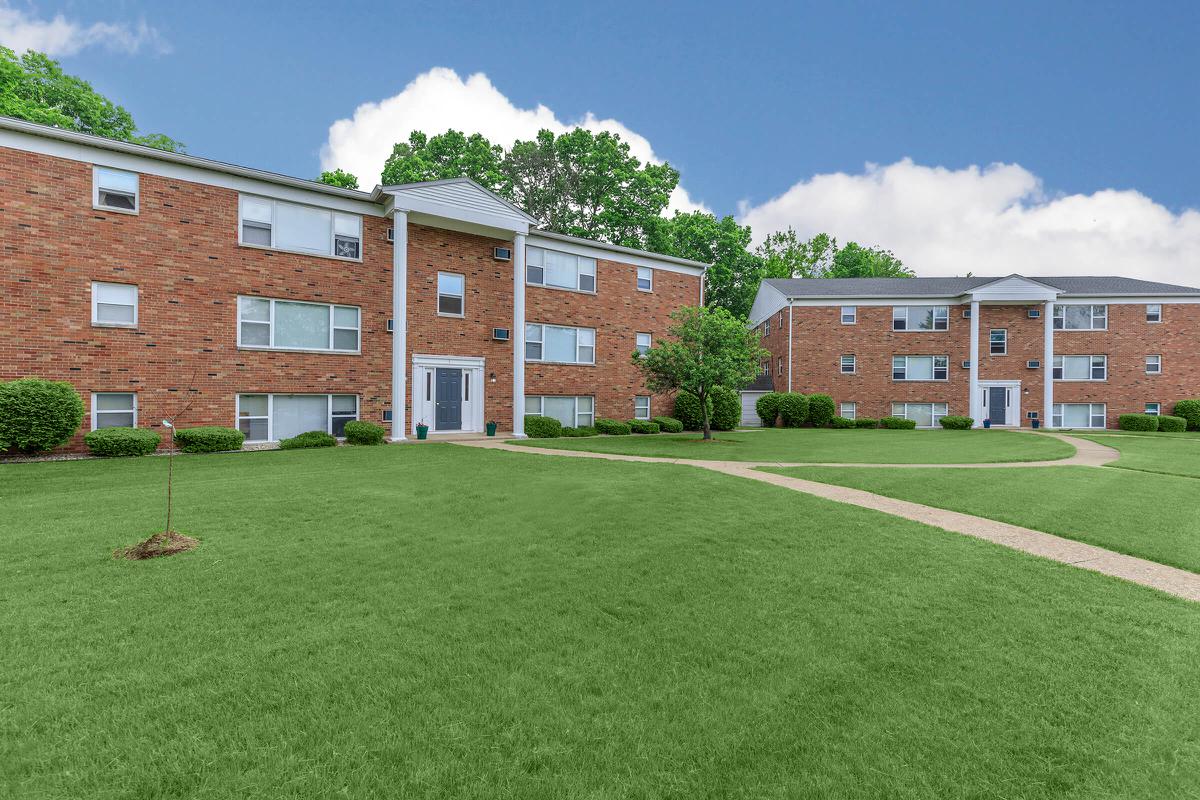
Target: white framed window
(920,368)
(926,415)
(849,315)
(1080,318)
(272,417)
(780,367)
(1153,365)
(920,318)
(451,294)
(1153,409)
(780,322)
(645,279)
(641,407)
(264,222)
(558,270)
(1154,312)
(1079,415)
(114,410)
(114,304)
(1080,368)
(767,327)
(270,324)
(998,341)
(642,343)
(560,344)
(849,365)
(574,412)
(115,190)
(848,410)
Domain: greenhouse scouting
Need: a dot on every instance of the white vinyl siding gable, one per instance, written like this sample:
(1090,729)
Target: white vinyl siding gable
(296,228)
(270,324)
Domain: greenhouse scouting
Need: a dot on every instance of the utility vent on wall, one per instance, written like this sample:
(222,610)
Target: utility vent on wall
(1035,313)
(391,236)
(500,334)
(1033,364)
(502,253)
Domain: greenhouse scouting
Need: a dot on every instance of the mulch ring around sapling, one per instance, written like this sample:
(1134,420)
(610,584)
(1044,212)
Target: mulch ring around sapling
(160,544)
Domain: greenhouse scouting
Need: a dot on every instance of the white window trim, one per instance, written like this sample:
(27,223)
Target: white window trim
(853,410)
(638,278)
(1056,418)
(462,297)
(853,315)
(578,272)
(94,412)
(853,365)
(780,367)
(96,302)
(1056,367)
(1060,314)
(542,341)
(332,232)
(1157,321)
(649,413)
(934,416)
(137,193)
(237,411)
(1157,409)
(638,347)
(540,398)
(271,322)
(1157,371)
(908,329)
(933,370)
(991,344)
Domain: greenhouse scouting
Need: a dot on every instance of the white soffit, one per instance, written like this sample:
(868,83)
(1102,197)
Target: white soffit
(461,200)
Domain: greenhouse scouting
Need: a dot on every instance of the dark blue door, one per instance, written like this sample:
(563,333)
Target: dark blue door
(449,399)
(997,404)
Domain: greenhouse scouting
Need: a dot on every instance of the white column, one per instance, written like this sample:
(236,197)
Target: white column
(974,407)
(789,346)
(1048,366)
(518,336)
(399,323)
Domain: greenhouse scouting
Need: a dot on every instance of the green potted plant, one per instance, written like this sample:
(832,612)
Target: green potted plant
(491,428)
(422,430)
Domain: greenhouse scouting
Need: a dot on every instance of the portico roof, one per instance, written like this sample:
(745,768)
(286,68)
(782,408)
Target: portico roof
(1066,286)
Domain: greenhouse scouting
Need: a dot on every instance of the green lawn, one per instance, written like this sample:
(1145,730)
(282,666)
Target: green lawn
(1144,515)
(1174,454)
(437,621)
(813,445)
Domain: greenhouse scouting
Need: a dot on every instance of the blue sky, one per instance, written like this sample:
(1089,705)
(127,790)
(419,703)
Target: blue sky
(747,101)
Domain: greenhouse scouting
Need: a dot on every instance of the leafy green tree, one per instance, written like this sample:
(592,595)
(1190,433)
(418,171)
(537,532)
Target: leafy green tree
(447,155)
(34,87)
(735,272)
(340,178)
(784,255)
(856,261)
(706,348)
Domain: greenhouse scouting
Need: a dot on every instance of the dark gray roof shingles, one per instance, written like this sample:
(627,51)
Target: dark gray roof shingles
(942,287)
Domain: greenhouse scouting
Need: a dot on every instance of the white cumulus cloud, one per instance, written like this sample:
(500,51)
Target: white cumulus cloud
(21,30)
(438,100)
(989,221)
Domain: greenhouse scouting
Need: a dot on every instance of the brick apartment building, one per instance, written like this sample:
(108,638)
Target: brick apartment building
(278,305)
(923,348)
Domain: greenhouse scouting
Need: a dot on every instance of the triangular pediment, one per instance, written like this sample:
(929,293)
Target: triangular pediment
(1014,287)
(459,199)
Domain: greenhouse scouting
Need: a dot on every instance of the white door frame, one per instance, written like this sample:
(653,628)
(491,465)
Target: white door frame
(473,385)
(1012,413)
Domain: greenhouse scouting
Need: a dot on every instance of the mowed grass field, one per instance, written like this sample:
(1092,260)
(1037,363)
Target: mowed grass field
(813,445)
(1169,453)
(438,621)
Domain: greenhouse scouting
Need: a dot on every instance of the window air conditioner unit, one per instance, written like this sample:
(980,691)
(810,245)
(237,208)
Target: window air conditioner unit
(502,253)
(966,313)
(391,234)
(1035,313)
(391,326)
(1033,364)
(500,334)
(966,365)
(1032,415)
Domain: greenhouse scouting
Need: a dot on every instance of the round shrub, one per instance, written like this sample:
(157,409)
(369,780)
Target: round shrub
(953,423)
(1137,422)
(1168,424)
(726,409)
(580,432)
(112,442)
(820,410)
(611,427)
(542,427)
(365,433)
(309,439)
(668,424)
(37,415)
(841,422)
(898,423)
(643,426)
(208,439)
(767,408)
(793,409)
(866,422)
(687,410)
(1189,410)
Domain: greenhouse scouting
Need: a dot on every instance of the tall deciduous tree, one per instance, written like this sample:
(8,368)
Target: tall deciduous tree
(735,272)
(339,177)
(785,255)
(705,348)
(448,155)
(856,261)
(33,87)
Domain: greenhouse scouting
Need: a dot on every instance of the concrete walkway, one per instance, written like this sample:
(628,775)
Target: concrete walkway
(1171,580)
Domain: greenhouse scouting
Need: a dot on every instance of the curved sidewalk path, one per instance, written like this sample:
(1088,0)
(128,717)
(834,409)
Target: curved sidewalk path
(1171,580)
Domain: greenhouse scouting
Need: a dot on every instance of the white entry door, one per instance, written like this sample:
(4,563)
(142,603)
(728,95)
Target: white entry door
(1001,403)
(448,393)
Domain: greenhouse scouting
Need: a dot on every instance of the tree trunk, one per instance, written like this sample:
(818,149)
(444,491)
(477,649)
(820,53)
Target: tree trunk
(704,416)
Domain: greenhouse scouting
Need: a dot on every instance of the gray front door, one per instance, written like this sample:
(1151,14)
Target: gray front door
(448,415)
(997,404)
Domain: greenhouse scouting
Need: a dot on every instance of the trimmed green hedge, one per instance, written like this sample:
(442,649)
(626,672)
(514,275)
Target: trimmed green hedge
(767,409)
(112,442)
(537,427)
(820,410)
(898,423)
(208,439)
(1137,422)
(1189,410)
(309,439)
(580,432)
(953,423)
(687,410)
(668,424)
(841,422)
(38,415)
(365,433)
(1169,424)
(643,426)
(866,422)
(611,427)
(793,409)
(726,408)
